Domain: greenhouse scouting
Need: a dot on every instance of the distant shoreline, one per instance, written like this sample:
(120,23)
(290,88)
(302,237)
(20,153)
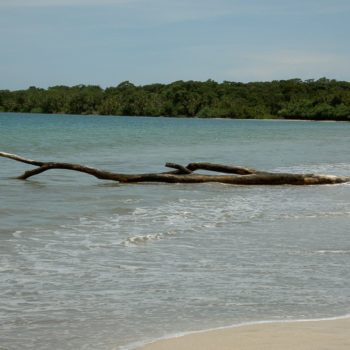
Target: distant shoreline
(180,117)
(322,99)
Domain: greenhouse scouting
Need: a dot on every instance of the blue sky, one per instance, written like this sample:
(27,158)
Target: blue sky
(104,42)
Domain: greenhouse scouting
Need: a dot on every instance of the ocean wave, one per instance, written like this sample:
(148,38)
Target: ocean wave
(17,234)
(333,251)
(212,215)
(142,239)
(316,215)
(336,169)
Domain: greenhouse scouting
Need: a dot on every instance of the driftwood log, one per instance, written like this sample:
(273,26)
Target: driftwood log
(185,174)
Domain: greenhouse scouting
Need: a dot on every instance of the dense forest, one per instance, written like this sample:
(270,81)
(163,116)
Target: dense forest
(321,99)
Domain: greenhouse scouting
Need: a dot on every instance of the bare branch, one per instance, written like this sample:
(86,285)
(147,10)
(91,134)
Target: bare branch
(181,169)
(20,159)
(228,169)
(246,176)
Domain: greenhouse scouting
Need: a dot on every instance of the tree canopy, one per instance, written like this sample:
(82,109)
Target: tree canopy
(322,99)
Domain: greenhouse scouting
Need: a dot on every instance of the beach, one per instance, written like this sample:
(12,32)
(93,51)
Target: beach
(302,335)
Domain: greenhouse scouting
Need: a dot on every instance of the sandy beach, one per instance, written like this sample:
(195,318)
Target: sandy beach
(305,335)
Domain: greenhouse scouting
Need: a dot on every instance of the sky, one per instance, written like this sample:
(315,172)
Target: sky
(104,42)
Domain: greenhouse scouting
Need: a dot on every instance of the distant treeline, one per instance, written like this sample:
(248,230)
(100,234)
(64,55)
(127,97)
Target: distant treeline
(291,99)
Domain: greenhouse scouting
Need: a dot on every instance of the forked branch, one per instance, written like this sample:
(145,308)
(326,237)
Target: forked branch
(185,174)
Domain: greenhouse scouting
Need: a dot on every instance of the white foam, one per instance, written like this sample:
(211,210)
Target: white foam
(137,345)
(141,239)
(17,234)
(335,251)
(321,214)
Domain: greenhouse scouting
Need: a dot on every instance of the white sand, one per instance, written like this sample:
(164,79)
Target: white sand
(310,335)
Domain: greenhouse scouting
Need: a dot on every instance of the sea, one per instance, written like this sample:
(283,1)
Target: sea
(91,264)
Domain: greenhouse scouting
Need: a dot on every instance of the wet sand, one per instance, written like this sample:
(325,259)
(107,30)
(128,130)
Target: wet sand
(305,335)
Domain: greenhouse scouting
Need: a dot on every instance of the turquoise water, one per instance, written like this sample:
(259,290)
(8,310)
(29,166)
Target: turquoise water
(89,264)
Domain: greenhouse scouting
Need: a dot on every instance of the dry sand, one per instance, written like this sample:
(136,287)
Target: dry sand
(306,335)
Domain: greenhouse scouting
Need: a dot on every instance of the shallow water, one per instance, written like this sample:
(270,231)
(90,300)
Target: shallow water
(89,264)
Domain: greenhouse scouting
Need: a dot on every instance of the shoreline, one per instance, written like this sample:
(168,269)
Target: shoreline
(297,334)
(183,117)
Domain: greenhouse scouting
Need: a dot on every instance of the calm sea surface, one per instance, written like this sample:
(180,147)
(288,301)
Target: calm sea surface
(90,264)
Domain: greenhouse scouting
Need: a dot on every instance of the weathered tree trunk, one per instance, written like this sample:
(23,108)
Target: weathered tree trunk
(184,174)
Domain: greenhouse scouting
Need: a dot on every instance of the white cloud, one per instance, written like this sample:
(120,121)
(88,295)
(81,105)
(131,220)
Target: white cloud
(290,64)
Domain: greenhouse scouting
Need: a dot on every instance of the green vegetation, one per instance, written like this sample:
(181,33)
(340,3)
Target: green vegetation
(291,99)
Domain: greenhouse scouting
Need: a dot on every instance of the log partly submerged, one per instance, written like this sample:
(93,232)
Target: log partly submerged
(185,174)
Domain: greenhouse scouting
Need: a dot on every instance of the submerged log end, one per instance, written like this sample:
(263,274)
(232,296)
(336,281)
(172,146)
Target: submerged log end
(312,179)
